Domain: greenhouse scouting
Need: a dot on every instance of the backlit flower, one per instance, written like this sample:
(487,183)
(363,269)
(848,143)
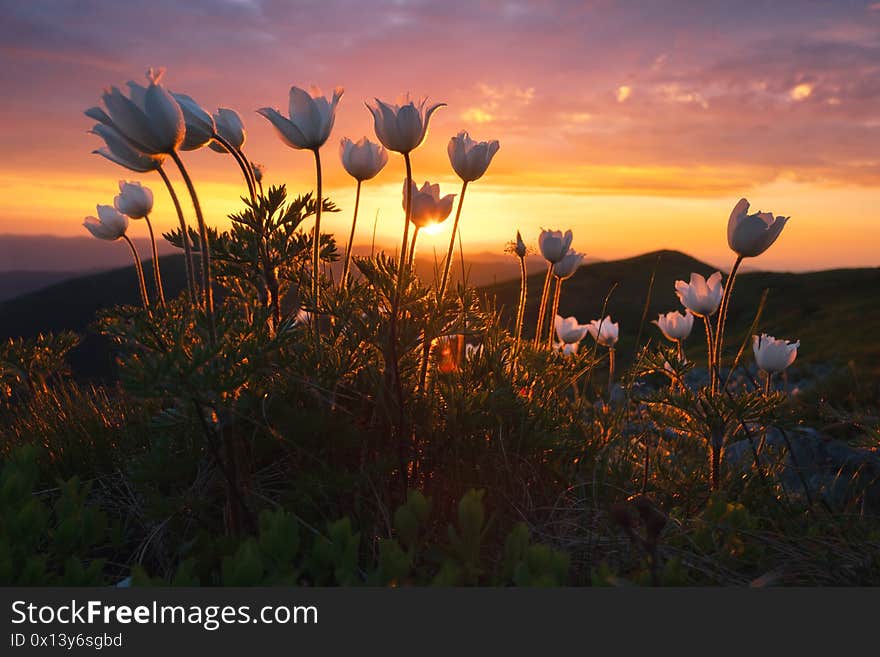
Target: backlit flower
(567,349)
(701,296)
(199,124)
(311,118)
(134,199)
(119,150)
(773,355)
(554,244)
(568,330)
(569,264)
(604,331)
(362,159)
(470,158)
(750,235)
(259,171)
(401,128)
(110,224)
(151,120)
(428,207)
(675,326)
(229,125)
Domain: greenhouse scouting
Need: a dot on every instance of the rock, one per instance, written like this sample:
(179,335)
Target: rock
(832,470)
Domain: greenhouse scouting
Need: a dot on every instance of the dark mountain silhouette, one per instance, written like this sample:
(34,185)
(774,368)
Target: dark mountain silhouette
(834,313)
(16,283)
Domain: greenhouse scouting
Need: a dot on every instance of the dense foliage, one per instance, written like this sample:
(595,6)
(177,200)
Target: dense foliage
(398,436)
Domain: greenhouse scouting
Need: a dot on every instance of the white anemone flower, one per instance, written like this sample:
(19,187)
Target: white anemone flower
(701,296)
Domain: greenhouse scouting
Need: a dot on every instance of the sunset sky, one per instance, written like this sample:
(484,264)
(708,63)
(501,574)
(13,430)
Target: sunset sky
(637,124)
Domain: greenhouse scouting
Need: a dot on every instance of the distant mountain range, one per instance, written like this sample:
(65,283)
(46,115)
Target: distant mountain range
(834,313)
(32,262)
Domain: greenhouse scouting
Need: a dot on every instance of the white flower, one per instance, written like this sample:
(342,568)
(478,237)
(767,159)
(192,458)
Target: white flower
(470,158)
(675,326)
(110,224)
(701,296)
(566,349)
(119,150)
(604,331)
(554,245)
(151,120)
(134,199)
(568,330)
(750,235)
(229,125)
(311,118)
(362,159)
(199,124)
(401,128)
(428,206)
(569,264)
(773,355)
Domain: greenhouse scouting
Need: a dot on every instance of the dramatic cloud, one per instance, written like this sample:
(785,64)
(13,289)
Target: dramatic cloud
(671,99)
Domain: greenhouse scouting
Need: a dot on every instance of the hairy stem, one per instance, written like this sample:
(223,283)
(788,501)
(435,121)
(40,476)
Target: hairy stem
(539,327)
(554,310)
(357,200)
(157,275)
(611,364)
(242,163)
(184,236)
(710,351)
(207,280)
(448,263)
(393,368)
(722,311)
(522,300)
(316,250)
(412,248)
(142,286)
(407,215)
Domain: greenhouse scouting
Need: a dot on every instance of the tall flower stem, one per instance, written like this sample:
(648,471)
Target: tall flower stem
(554,310)
(157,275)
(142,285)
(447,266)
(542,311)
(722,311)
(316,247)
(394,371)
(249,171)
(205,250)
(242,163)
(611,363)
(522,301)
(184,236)
(412,247)
(408,214)
(767,384)
(357,201)
(710,350)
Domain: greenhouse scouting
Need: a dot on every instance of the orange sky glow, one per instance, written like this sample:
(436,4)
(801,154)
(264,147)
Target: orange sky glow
(637,127)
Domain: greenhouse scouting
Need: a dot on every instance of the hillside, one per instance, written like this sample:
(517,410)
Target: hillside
(834,313)
(18,282)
